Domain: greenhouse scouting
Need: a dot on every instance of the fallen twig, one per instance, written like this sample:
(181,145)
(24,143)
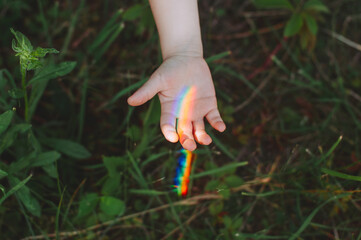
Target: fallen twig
(186,202)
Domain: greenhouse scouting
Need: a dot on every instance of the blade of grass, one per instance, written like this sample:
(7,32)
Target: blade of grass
(314,212)
(105,32)
(330,116)
(153,157)
(238,76)
(218,56)
(58,215)
(266,194)
(84,90)
(341,175)
(352,114)
(220,169)
(27,219)
(280,64)
(258,236)
(125,91)
(174,213)
(221,146)
(147,192)
(107,44)
(141,179)
(71,29)
(15,188)
(330,151)
(45,23)
(9,76)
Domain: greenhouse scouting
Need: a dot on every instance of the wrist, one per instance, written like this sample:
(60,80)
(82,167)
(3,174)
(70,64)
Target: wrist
(192,48)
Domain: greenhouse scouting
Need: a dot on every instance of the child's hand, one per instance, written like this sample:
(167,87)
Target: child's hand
(175,74)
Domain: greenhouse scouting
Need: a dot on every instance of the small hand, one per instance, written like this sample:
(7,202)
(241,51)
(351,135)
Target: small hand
(175,74)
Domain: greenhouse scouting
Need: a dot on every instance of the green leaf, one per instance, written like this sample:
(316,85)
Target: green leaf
(16,93)
(216,207)
(46,158)
(5,120)
(316,5)
(111,185)
(24,195)
(227,221)
(112,163)
(33,64)
(341,175)
(15,188)
(53,71)
(212,185)
(10,136)
(134,12)
(51,170)
(21,163)
(22,43)
(311,23)
(225,193)
(3,174)
(134,133)
(273,4)
(294,25)
(69,148)
(233,181)
(41,52)
(112,206)
(87,204)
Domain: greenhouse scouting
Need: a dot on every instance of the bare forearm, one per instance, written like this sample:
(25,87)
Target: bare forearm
(178,26)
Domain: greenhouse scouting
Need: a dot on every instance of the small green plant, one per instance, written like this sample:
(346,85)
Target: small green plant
(304,20)
(29,60)
(22,149)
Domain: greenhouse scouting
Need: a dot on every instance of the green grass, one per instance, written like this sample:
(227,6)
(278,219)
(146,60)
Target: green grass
(287,167)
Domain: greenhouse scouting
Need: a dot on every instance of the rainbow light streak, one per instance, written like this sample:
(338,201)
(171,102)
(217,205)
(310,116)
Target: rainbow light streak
(183,107)
(183,110)
(181,180)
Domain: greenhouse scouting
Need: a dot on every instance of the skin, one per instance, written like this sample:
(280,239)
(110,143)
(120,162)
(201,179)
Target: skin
(183,66)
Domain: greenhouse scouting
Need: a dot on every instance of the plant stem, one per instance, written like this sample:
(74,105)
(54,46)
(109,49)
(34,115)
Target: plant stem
(23,83)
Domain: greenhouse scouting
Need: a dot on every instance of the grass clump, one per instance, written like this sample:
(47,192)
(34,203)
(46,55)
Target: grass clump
(78,163)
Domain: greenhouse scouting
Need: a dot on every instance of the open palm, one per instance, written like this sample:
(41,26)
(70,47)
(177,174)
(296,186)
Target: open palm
(168,81)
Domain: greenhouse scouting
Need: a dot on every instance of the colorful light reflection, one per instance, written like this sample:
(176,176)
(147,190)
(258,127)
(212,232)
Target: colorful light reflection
(184,167)
(183,106)
(183,109)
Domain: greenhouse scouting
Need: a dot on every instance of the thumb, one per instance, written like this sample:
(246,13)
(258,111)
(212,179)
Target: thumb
(146,92)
